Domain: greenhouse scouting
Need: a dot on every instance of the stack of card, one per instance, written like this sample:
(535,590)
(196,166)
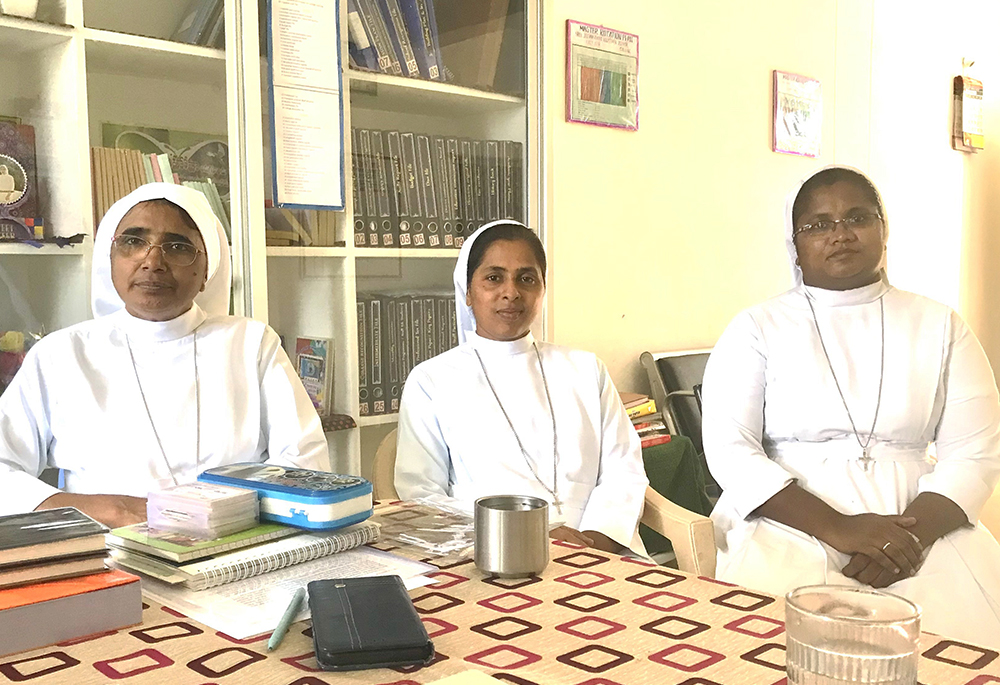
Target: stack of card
(202,510)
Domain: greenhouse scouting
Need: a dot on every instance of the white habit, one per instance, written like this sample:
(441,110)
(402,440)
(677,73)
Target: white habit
(76,404)
(773,415)
(454,441)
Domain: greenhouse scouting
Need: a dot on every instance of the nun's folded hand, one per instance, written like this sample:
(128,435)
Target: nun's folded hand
(113,511)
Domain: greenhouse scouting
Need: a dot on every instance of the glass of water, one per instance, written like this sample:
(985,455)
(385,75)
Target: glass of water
(839,634)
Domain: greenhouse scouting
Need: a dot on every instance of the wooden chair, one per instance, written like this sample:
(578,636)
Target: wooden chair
(692,535)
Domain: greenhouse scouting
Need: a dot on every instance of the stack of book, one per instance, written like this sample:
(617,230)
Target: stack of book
(116,172)
(646,420)
(395,333)
(417,191)
(303,227)
(56,586)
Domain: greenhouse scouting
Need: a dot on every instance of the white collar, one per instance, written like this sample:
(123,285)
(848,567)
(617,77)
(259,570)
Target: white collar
(847,298)
(501,348)
(159,331)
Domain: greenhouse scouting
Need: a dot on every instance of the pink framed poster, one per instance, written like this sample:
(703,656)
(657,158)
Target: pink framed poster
(602,76)
(798,114)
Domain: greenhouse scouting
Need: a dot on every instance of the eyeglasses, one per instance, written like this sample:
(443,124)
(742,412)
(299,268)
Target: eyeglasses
(174,253)
(824,227)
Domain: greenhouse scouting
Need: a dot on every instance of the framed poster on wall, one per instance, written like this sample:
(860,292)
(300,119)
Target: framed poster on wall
(602,76)
(798,114)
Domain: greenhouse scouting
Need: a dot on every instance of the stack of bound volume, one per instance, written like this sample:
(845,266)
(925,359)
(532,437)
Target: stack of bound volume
(648,422)
(49,544)
(202,510)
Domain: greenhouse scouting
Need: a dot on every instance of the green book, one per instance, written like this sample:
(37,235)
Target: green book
(181,548)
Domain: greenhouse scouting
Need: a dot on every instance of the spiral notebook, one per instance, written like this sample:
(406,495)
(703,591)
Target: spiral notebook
(252,561)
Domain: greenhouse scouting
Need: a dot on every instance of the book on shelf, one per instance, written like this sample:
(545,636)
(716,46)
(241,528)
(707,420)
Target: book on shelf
(359,45)
(43,614)
(399,38)
(654,439)
(421,24)
(364,390)
(378,34)
(250,561)
(67,566)
(314,365)
(642,409)
(180,548)
(632,399)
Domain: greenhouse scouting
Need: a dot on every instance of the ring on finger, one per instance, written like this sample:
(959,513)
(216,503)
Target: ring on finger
(886,545)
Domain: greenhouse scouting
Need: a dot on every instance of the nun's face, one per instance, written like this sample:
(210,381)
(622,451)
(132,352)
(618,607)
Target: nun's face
(848,256)
(506,291)
(152,287)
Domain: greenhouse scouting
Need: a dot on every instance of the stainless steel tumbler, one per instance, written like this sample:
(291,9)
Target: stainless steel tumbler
(512,535)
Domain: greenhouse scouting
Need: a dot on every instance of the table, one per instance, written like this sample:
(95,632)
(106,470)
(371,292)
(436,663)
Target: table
(590,619)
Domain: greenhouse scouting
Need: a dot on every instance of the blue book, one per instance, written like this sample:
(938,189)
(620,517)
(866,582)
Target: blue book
(378,35)
(392,15)
(418,16)
(358,42)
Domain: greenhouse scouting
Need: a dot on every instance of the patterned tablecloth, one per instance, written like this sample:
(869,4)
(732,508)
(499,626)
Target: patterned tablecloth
(590,619)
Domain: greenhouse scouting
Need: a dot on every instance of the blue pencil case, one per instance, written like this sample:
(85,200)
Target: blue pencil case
(317,500)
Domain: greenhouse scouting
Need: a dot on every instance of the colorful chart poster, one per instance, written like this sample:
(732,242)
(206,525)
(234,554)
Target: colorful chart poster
(798,114)
(602,76)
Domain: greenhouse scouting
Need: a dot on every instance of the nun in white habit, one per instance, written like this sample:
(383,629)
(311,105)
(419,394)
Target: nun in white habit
(855,427)
(162,383)
(504,413)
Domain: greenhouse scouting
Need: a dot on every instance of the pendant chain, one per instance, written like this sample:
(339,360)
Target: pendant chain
(865,456)
(197,404)
(554,490)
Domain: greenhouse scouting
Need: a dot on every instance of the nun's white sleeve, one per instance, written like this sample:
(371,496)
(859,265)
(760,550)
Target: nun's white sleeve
(423,462)
(616,502)
(968,433)
(24,438)
(733,418)
(290,426)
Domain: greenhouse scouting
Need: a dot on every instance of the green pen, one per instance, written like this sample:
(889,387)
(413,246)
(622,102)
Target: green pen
(286,619)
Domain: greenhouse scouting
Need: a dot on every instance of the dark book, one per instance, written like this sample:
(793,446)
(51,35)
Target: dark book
(359,44)
(439,170)
(375,322)
(411,187)
(468,191)
(492,180)
(392,15)
(360,229)
(364,385)
(64,566)
(428,192)
(378,33)
(422,27)
(366,623)
(441,323)
(403,339)
(417,330)
(390,328)
(369,187)
(430,330)
(455,189)
(478,182)
(397,192)
(388,230)
(47,534)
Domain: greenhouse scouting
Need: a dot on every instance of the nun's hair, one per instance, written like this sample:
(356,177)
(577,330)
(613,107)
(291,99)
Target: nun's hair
(828,177)
(510,231)
(163,202)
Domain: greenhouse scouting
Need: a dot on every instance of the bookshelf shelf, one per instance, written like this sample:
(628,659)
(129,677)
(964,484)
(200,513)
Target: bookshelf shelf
(120,53)
(43,251)
(295,251)
(22,36)
(403,253)
(378,420)
(400,94)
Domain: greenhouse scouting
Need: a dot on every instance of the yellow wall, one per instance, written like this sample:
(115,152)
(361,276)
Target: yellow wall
(658,237)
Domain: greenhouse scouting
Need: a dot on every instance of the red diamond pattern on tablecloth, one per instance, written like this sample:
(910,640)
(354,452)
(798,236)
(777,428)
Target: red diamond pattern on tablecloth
(166,631)
(743,600)
(37,666)
(774,652)
(444,580)
(506,657)
(586,601)
(675,627)
(595,658)
(961,654)
(983,680)
(664,601)
(224,662)
(303,662)
(438,656)
(599,681)
(505,628)
(584,579)
(581,560)
(591,627)
(753,625)
(513,679)
(656,578)
(509,602)
(433,602)
(512,583)
(436,626)
(687,658)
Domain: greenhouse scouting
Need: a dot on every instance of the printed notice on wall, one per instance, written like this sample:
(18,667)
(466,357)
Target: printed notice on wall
(798,114)
(307,108)
(602,79)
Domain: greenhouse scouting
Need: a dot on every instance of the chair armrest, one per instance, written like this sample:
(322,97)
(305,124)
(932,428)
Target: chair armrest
(692,535)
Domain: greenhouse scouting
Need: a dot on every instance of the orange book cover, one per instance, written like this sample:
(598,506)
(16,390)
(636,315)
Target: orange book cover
(66,587)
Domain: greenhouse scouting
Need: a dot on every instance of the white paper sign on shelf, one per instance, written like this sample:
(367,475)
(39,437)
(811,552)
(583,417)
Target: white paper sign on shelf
(307,104)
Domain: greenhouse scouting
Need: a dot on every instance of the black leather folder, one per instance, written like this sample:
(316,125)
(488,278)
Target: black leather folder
(366,623)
